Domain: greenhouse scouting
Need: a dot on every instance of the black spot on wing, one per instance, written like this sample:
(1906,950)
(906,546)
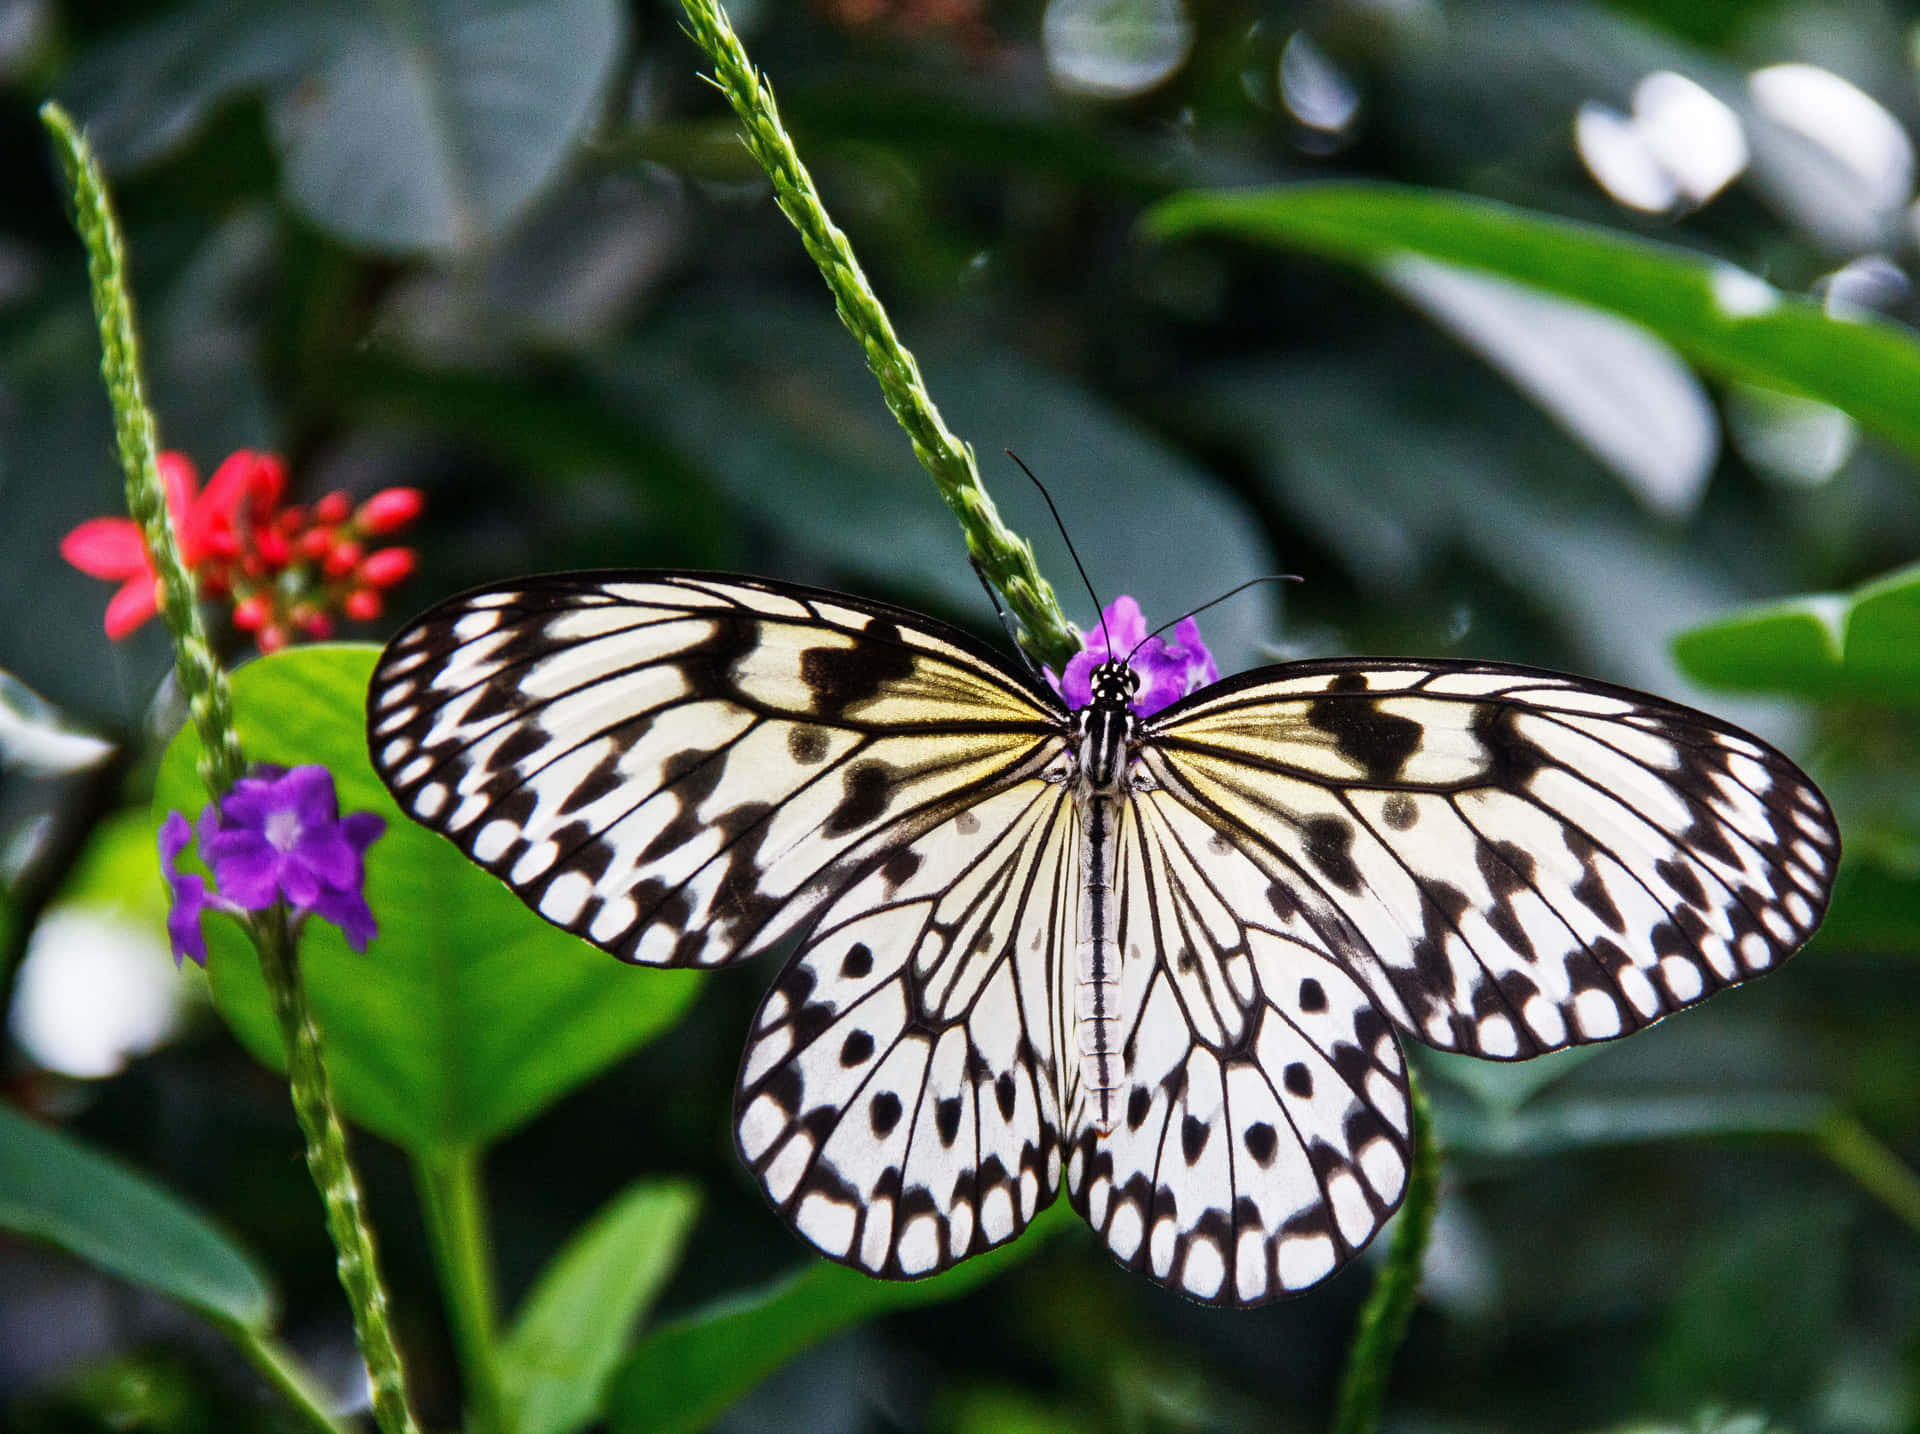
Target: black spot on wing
(865,792)
(883,1114)
(807,745)
(1193,1137)
(1261,1142)
(946,1119)
(858,961)
(856,1049)
(840,677)
(1376,741)
(1329,842)
(1313,996)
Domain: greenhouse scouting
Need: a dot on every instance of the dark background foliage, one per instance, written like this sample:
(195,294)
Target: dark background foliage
(510,253)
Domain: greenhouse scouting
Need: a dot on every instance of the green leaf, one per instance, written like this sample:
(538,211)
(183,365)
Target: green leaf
(402,125)
(686,1373)
(1551,1127)
(573,1328)
(468,1013)
(1722,317)
(55,1189)
(1860,645)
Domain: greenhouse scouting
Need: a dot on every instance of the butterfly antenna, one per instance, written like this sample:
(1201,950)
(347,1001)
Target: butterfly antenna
(1195,612)
(1084,579)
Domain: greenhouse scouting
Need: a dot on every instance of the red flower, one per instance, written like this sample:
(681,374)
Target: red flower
(112,548)
(282,569)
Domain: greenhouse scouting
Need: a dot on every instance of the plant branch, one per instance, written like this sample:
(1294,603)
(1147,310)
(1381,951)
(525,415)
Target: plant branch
(456,1213)
(285,1374)
(210,701)
(1383,1321)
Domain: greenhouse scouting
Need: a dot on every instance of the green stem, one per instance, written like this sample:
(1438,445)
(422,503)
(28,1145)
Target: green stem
(210,701)
(1002,554)
(456,1212)
(1383,1322)
(332,1171)
(285,1374)
(1881,1173)
(204,681)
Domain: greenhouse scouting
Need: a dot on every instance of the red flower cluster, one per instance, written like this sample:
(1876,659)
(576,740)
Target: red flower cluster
(288,572)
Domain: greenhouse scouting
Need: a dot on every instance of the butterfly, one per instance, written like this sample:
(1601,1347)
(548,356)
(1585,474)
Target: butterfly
(1164,961)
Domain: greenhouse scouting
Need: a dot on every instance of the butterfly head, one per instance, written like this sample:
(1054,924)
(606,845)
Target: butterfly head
(1114,685)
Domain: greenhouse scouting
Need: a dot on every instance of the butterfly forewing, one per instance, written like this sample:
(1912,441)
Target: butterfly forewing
(1510,860)
(898,1097)
(681,769)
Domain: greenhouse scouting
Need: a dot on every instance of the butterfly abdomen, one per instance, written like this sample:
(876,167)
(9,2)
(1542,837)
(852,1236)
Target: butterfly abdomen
(1106,734)
(1098,1006)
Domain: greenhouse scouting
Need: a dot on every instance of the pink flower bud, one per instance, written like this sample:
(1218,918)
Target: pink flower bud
(363,605)
(333,508)
(390,509)
(342,559)
(387,567)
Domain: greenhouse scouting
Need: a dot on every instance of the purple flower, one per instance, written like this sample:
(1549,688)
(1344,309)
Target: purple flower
(189,893)
(1167,670)
(276,834)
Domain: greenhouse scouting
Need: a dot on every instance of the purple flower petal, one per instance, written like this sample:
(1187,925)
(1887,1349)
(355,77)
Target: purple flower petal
(1167,671)
(1076,683)
(327,856)
(279,835)
(246,867)
(184,935)
(307,792)
(363,829)
(349,911)
(248,804)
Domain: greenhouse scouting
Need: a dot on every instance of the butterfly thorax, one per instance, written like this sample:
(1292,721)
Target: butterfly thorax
(1105,731)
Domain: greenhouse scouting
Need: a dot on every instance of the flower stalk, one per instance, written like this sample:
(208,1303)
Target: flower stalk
(1383,1320)
(222,764)
(1001,554)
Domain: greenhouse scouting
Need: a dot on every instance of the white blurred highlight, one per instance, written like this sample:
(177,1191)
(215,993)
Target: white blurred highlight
(1679,148)
(1617,389)
(1314,89)
(95,991)
(1115,49)
(1847,170)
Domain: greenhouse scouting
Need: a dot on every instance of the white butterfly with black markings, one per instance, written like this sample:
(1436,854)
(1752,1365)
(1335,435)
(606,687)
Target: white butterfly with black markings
(1162,960)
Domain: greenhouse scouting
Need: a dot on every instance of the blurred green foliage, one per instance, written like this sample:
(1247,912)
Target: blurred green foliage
(509,252)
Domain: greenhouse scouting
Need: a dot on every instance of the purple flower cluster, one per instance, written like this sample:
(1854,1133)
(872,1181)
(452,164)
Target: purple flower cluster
(1167,670)
(276,834)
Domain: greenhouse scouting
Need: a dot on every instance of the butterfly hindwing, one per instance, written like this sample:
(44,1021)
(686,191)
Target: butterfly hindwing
(681,768)
(1510,860)
(897,1097)
(1262,1134)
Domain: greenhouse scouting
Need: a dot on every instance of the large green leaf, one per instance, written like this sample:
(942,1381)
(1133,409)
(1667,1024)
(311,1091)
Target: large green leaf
(686,1373)
(55,1189)
(573,1328)
(402,124)
(468,1013)
(1722,317)
(1864,644)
